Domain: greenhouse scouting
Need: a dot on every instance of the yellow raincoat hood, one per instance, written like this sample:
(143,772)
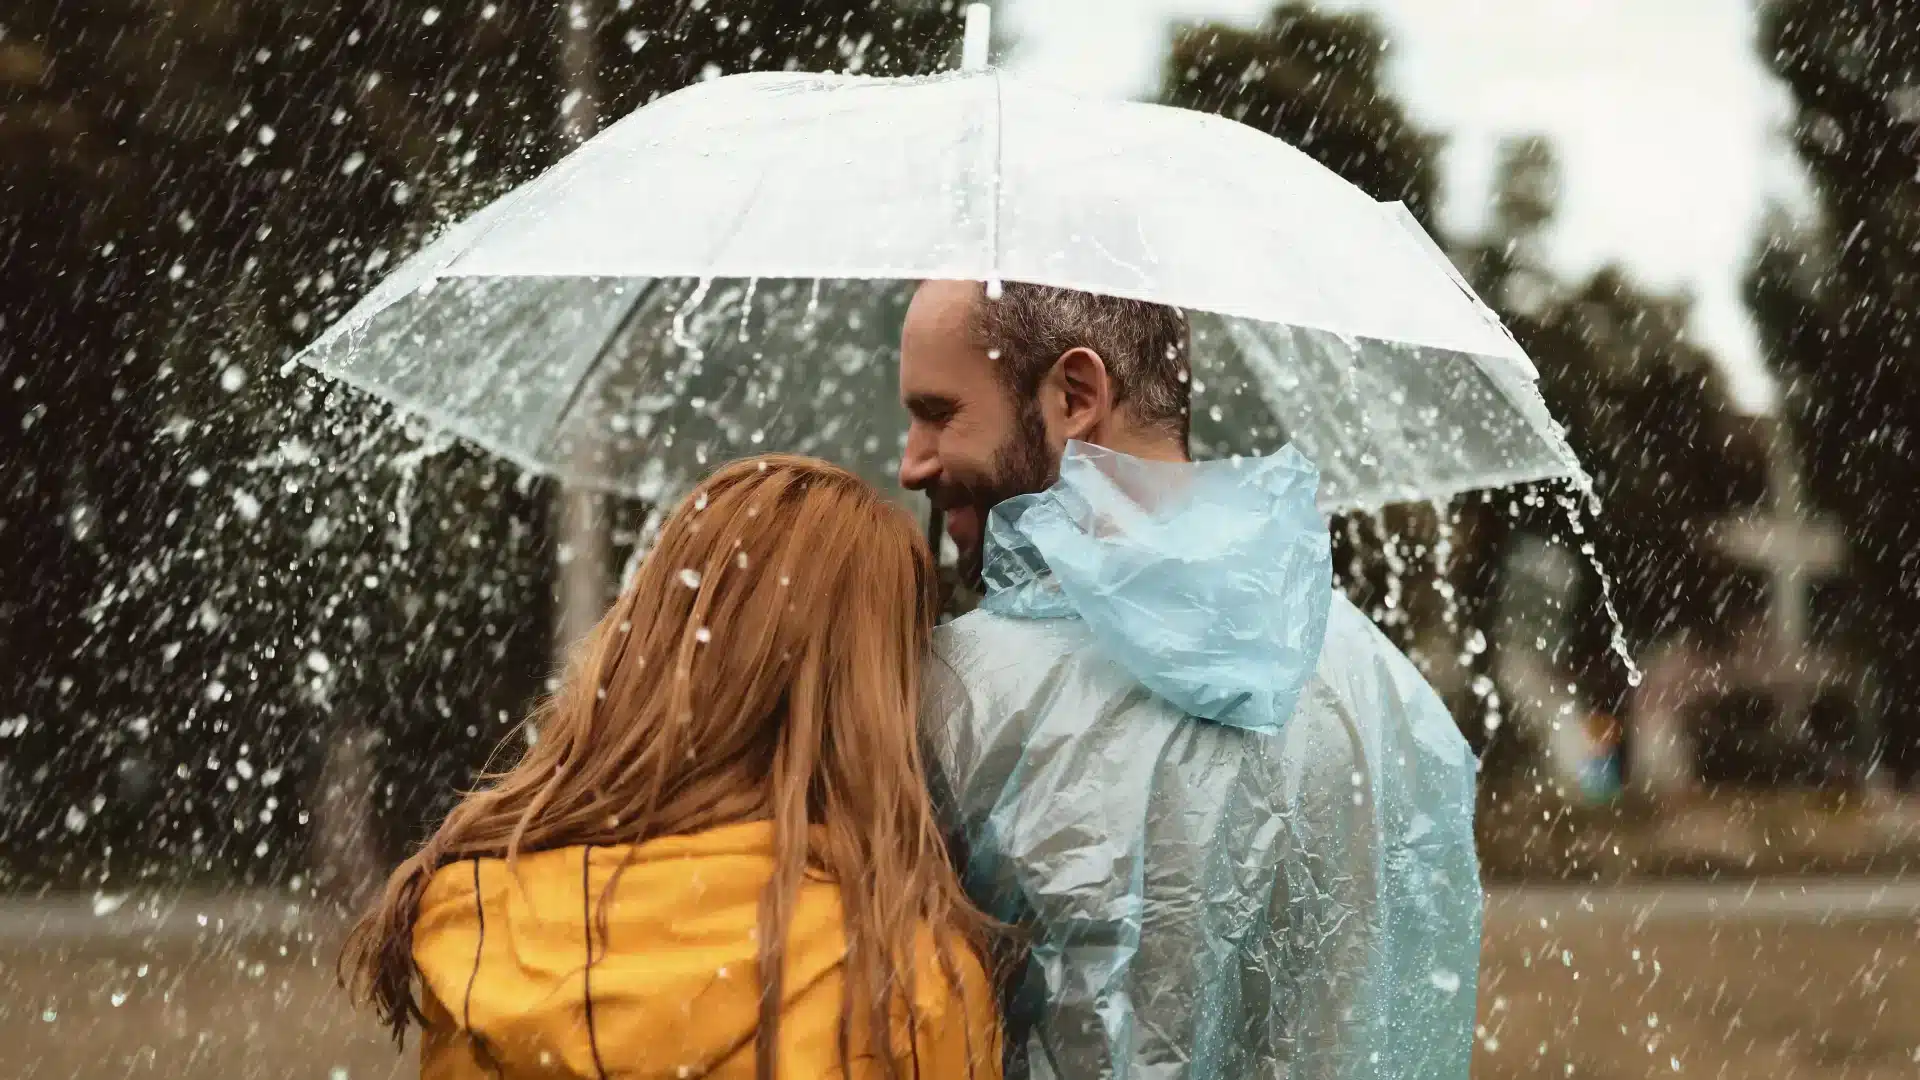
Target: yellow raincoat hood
(671,992)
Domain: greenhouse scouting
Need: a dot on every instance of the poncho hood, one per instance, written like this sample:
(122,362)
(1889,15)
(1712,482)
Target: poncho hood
(1208,582)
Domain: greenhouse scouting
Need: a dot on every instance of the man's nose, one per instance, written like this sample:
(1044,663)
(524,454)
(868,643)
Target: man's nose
(919,462)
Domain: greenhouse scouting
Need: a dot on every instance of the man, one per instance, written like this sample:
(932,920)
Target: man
(1234,821)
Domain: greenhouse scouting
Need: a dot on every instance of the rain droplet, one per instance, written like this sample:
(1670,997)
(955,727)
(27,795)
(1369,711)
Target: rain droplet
(740,560)
(1447,982)
(430,16)
(690,577)
(703,635)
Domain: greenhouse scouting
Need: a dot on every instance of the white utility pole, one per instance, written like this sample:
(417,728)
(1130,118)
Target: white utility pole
(584,553)
(979,35)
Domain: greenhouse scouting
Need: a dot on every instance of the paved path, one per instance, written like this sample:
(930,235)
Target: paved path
(1791,980)
(254,915)
(1813,900)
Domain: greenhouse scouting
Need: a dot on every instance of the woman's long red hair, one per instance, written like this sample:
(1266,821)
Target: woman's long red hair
(763,664)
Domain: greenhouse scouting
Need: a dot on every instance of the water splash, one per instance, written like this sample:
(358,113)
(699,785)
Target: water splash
(809,320)
(429,442)
(1617,634)
(746,307)
(680,336)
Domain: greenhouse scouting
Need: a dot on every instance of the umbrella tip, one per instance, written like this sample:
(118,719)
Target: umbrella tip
(973,48)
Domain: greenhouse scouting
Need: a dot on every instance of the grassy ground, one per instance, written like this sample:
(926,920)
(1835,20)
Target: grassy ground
(1608,993)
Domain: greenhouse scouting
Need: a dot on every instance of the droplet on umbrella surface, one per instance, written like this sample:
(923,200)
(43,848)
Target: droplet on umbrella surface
(690,577)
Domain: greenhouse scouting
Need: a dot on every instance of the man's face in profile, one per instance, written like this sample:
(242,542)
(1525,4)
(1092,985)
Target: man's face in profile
(970,444)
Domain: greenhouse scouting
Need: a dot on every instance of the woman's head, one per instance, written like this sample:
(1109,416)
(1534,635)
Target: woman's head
(763,663)
(782,597)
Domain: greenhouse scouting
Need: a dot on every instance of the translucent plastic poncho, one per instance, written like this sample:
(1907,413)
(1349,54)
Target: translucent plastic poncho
(1236,822)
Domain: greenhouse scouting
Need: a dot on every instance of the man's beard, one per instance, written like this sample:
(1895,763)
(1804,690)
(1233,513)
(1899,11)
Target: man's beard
(1020,466)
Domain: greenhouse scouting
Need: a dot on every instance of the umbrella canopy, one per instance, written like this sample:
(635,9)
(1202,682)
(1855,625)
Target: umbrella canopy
(725,270)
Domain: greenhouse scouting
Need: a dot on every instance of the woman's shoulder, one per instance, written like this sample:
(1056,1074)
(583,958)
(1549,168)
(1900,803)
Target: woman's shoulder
(959,1021)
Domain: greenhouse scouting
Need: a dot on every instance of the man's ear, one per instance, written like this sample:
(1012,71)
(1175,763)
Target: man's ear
(1086,394)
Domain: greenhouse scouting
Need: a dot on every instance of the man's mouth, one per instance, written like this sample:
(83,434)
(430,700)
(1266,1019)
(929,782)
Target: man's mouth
(963,527)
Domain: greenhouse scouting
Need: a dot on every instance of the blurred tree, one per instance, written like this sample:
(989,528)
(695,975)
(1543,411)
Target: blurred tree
(1836,300)
(1318,80)
(1641,403)
(1644,407)
(213,560)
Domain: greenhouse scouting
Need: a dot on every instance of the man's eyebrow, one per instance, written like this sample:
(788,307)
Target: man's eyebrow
(928,402)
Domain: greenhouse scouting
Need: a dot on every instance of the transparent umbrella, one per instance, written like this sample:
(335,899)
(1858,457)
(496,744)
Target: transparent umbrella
(725,270)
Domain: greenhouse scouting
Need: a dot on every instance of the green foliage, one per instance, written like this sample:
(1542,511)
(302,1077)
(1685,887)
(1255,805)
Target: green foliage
(211,557)
(1836,302)
(1317,80)
(1641,403)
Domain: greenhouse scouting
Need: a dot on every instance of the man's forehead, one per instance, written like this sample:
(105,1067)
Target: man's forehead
(944,307)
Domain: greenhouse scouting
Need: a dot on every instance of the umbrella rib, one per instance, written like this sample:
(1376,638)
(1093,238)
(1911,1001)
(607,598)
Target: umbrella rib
(995,182)
(586,376)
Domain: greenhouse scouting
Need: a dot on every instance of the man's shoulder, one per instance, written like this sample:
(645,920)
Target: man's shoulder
(981,641)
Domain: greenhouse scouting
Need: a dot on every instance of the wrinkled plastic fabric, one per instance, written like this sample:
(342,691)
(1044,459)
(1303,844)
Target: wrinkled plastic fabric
(1135,547)
(1206,899)
(723,272)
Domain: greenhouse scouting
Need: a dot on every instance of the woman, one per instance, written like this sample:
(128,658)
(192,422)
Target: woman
(719,857)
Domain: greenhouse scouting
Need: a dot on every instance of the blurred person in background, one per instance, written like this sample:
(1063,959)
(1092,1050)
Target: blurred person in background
(1234,820)
(719,857)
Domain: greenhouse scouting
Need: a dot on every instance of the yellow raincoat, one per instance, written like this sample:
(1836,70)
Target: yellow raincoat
(671,992)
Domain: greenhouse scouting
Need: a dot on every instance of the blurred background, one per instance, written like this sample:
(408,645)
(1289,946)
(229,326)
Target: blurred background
(255,631)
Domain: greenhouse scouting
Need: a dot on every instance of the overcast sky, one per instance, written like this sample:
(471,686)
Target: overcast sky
(1667,125)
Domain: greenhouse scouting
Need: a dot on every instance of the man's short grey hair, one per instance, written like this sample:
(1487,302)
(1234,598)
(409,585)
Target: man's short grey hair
(1145,346)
